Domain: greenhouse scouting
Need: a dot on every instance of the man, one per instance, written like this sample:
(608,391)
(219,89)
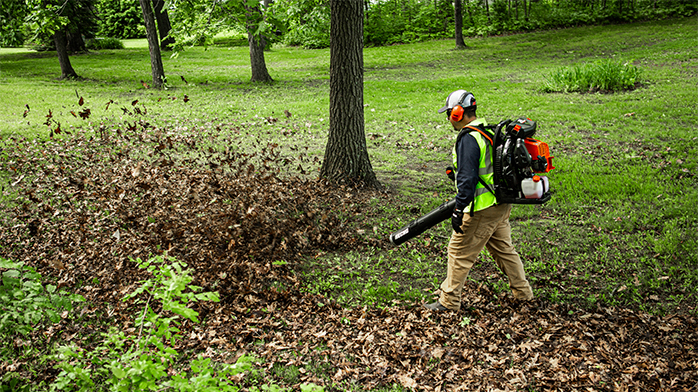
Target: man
(477,221)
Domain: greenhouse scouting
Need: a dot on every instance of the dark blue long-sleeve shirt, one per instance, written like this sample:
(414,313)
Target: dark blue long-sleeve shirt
(468,166)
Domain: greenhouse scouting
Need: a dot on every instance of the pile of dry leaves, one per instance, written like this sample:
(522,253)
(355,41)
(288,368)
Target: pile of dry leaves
(86,203)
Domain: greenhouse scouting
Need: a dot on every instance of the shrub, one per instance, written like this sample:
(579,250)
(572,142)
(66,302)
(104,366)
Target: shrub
(105,43)
(141,362)
(601,76)
(121,19)
(25,302)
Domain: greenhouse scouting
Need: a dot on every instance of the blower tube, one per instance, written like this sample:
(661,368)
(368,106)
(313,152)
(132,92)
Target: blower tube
(424,223)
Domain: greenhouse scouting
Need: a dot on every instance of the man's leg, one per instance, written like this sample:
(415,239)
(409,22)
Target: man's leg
(502,250)
(463,250)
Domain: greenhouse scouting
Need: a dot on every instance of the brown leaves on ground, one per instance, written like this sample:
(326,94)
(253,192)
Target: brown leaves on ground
(84,205)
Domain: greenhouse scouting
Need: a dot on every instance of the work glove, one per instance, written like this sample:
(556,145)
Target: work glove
(451,173)
(457,220)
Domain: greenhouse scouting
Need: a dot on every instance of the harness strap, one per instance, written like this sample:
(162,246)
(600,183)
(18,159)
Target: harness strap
(481,132)
(489,139)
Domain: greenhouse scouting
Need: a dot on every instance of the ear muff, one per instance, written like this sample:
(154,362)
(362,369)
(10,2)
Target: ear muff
(457,113)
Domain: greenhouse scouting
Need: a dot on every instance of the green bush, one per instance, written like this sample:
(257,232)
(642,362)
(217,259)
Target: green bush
(141,361)
(308,23)
(25,303)
(121,19)
(105,43)
(603,75)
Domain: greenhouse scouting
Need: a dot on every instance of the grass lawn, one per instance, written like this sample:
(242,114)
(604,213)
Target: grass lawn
(621,229)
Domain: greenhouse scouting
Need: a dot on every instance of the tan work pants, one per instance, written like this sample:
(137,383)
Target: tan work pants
(489,227)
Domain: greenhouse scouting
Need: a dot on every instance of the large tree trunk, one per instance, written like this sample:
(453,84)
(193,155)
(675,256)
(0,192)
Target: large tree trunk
(75,42)
(153,44)
(67,71)
(346,155)
(458,7)
(259,66)
(164,25)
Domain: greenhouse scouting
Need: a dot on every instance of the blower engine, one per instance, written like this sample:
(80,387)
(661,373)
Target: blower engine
(517,160)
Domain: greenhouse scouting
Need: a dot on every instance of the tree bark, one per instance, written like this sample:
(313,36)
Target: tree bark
(259,66)
(61,41)
(75,43)
(346,155)
(487,9)
(164,26)
(156,67)
(458,12)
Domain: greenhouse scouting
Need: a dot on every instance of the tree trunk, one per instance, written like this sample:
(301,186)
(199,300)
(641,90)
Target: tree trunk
(487,9)
(67,71)
(458,7)
(259,66)
(346,155)
(75,43)
(470,12)
(527,9)
(153,44)
(164,25)
(265,41)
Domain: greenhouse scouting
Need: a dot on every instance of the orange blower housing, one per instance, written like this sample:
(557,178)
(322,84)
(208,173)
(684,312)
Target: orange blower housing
(542,161)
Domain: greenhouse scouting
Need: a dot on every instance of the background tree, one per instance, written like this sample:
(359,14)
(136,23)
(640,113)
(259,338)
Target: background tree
(164,26)
(82,23)
(458,15)
(197,21)
(120,19)
(253,19)
(156,66)
(346,155)
(61,41)
(12,14)
(50,18)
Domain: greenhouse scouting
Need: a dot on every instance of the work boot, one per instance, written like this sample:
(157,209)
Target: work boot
(436,307)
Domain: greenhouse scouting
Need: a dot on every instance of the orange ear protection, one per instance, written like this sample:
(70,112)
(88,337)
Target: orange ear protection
(457,111)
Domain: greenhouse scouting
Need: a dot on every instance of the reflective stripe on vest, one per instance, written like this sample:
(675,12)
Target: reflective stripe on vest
(483,197)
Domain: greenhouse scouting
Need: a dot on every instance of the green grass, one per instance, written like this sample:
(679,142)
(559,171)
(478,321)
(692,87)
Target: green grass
(623,211)
(603,75)
(620,229)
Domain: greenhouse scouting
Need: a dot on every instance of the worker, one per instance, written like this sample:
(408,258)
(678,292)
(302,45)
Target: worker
(478,221)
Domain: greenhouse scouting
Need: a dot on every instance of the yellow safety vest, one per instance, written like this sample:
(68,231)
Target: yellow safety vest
(483,197)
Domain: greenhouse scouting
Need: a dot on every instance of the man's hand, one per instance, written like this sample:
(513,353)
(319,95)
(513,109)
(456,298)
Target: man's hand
(457,220)
(451,173)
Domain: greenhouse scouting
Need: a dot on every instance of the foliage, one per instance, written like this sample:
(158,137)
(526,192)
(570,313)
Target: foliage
(602,75)
(12,14)
(129,362)
(26,303)
(389,21)
(120,19)
(74,17)
(307,22)
(105,43)
(198,22)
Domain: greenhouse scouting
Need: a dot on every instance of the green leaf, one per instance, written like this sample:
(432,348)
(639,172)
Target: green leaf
(7,264)
(117,372)
(11,274)
(53,316)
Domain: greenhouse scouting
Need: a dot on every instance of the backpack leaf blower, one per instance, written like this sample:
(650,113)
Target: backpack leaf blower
(517,158)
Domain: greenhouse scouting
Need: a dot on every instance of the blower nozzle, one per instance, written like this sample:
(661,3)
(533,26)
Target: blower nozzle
(424,223)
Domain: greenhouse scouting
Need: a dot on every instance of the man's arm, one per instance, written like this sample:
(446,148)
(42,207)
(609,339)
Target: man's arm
(468,160)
